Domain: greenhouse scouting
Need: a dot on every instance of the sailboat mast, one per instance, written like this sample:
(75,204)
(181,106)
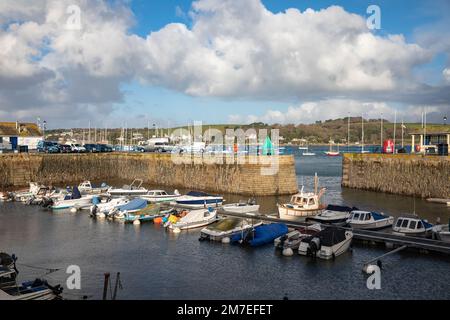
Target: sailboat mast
(381,132)
(362,134)
(395,130)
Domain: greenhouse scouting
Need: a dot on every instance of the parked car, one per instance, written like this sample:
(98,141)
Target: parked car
(48,147)
(103,148)
(77,148)
(65,148)
(91,147)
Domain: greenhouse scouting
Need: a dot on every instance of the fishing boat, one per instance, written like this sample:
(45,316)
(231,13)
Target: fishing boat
(292,239)
(412,225)
(261,234)
(134,189)
(223,229)
(72,200)
(86,187)
(369,220)
(442,232)
(132,206)
(195,199)
(195,219)
(333,215)
(31,290)
(327,244)
(160,196)
(241,207)
(302,205)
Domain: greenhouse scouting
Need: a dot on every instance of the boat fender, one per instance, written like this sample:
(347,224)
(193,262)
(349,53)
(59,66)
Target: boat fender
(288,252)
(226,240)
(176,230)
(73,210)
(136,222)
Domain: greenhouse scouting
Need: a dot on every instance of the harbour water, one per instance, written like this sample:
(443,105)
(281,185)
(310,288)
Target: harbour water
(155,264)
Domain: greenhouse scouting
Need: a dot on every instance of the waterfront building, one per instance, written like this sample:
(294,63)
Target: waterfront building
(430,143)
(15,134)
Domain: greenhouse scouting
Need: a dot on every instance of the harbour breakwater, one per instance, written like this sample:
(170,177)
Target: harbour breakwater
(404,174)
(244,176)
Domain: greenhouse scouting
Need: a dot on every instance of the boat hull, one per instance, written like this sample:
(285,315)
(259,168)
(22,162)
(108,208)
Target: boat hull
(293,214)
(373,225)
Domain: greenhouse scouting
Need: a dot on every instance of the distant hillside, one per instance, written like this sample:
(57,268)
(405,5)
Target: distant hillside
(319,132)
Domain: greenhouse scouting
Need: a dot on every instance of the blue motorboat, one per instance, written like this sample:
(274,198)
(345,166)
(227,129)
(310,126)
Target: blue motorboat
(261,235)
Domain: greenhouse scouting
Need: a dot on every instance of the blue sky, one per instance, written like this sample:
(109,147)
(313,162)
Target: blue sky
(157,104)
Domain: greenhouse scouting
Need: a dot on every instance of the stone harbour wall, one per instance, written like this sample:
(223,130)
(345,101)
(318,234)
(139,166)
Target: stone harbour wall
(247,178)
(404,174)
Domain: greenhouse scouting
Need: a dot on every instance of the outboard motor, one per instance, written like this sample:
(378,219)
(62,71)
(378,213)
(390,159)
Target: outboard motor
(315,246)
(94,210)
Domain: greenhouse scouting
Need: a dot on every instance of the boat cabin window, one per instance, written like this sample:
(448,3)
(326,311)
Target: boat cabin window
(367,216)
(361,217)
(311,202)
(164,193)
(355,216)
(399,222)
(405,223)
(419,225)
(412,224)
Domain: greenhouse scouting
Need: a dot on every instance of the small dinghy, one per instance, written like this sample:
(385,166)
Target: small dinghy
(292,239)
(226,228)
(327,244)
(369,220)
(241,207)
(260,235)
(195,219)
(147,214)
(198,200)
(412,225)
(333,215)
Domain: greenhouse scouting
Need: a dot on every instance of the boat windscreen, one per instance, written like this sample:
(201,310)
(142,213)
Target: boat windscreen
(340,208)
(197,194)
(225,224)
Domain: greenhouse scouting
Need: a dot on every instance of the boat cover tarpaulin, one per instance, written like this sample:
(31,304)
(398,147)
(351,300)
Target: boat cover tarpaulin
(134,204)
(378,216)
(328,237)
(198,194)
(266,233)
(340,208)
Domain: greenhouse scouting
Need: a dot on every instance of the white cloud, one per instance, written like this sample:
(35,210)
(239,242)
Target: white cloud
(446,74)
(310,112)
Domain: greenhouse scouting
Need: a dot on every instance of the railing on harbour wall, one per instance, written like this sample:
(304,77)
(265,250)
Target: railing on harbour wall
(405,174)
(248,175)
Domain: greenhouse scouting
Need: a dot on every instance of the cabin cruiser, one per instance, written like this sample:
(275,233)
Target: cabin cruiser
(333,215)
(227,227)
(86,187)
(134,189)
(32,290)
(195,219)
(412,225)
(160,196)
(73,200)
(441,232)
(198,200)
(241,207)
(327,244)
(302,206)
(292,238)
(369,220)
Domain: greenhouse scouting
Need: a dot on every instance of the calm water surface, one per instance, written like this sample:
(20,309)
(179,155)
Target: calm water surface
(155,264)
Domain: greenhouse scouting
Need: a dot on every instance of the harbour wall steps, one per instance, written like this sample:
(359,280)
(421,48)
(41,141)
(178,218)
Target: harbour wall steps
(404,174)
(250,175)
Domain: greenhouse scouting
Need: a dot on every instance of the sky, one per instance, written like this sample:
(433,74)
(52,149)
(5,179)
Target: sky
(131,63)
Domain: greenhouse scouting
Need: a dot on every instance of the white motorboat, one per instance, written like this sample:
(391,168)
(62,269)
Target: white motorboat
(369,220)
(241,207)
(101,209)
(25,195)
(225,228)
(412,225)
(73,200)
(31,290)
(195,219)
(302,205)
(160,196)
(333,215)
(134,189)
(327,244)
(442,232)
(86,187)
(198,200)
(293,238)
